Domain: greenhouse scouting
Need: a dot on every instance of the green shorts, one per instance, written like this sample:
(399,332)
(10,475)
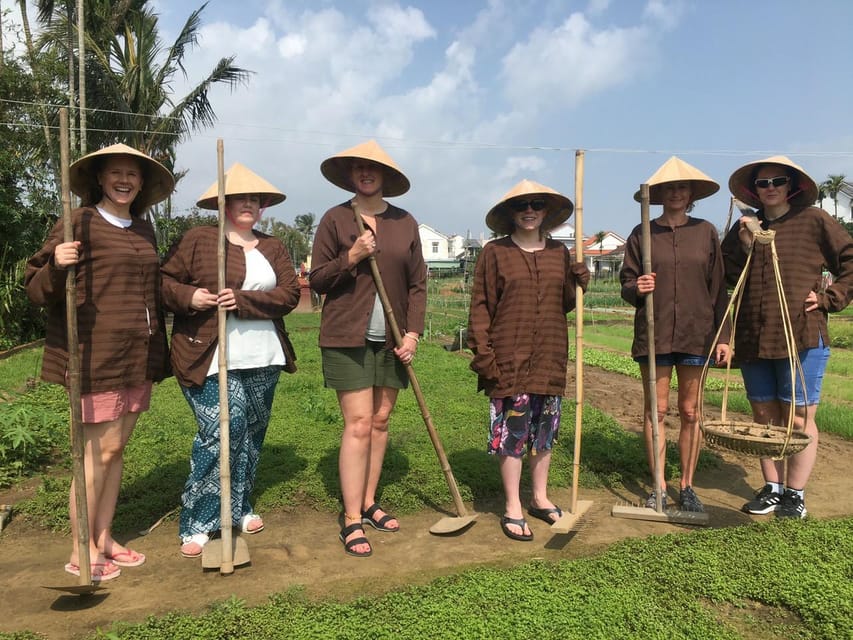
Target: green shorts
(350,368)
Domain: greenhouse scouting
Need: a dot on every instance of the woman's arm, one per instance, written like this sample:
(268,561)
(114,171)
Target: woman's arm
(330,261)
(481,313)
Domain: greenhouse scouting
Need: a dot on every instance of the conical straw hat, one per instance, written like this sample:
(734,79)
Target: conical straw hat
(558,207)
(239,179)
(157,181)
(803,192)
(676,170)
(337,168)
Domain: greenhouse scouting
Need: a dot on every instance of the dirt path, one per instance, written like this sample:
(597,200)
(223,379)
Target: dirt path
(301,547)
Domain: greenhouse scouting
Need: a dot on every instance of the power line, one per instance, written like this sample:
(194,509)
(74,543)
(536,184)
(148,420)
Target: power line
(414,143)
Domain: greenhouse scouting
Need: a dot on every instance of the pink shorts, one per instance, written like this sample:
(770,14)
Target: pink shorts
(106,406)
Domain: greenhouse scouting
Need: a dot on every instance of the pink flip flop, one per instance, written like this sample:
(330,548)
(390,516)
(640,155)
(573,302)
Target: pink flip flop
(127,558)
(101,571)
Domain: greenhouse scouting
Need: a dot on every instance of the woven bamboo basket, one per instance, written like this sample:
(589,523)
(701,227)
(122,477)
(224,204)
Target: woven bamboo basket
(753,439)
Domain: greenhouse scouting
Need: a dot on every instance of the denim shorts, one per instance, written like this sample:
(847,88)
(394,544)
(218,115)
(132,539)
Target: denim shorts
(767,380)
(674,358)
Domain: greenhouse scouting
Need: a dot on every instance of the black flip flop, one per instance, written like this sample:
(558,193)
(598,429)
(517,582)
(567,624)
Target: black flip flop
(519,522)
(543,514)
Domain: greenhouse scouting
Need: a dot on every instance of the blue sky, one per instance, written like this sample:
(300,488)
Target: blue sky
(470,97)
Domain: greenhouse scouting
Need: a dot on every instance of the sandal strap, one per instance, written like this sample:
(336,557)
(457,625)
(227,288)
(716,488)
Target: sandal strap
(346,531)
(349,545)
(371,511)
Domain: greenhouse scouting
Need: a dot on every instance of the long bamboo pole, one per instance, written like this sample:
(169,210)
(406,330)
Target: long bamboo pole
(579,170)
(227,565)
(74,391)
(463,519)
(650,338)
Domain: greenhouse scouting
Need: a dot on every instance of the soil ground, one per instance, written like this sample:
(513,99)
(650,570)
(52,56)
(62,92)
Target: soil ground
(300,547)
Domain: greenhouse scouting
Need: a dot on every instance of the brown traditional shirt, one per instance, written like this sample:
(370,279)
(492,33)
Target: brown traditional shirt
(690,291)
(120,324)
(517,322)
(192,264)
(807,240)
(350,290)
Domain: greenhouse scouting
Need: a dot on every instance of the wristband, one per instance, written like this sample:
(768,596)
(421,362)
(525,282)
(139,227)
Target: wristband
(413,336)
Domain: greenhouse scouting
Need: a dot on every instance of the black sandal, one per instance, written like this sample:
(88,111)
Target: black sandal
(348,546)
(379,525)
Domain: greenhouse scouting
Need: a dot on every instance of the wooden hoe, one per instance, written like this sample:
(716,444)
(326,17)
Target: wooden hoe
(463,519)
(568,520)
(227,551)
(85,585)
(658,514)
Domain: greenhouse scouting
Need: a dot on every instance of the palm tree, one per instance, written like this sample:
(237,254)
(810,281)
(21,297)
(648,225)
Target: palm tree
(599,238)
(129,72)
(831,186)
(304,224)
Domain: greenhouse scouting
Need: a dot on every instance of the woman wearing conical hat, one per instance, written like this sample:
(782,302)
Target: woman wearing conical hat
(808,240)
(524,285)
(690,303)
(121,328)
(261,287)
(360,360)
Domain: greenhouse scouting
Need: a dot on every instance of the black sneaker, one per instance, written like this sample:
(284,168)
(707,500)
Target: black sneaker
(690,501)
(791,506)
(651,501)
(765,501)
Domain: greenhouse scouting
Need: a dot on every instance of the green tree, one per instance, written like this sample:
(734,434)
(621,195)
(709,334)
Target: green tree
(293,239)
(831,186)
(29,201)
(169,229)
(304,223)
(129,74)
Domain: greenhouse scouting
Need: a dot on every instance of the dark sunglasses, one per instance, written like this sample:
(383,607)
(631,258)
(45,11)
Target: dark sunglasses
(520,206)
(766,183)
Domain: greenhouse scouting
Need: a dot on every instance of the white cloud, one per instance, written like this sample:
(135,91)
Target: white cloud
(561,67)
(666,13)
(516,168)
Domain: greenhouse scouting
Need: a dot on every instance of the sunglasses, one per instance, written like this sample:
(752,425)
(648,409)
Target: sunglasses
(766,183)
(520,206)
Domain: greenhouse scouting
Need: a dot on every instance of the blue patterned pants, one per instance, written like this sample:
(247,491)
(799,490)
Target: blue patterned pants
(250,396)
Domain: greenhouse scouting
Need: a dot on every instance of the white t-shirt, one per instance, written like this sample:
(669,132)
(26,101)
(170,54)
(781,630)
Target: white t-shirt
(252,343)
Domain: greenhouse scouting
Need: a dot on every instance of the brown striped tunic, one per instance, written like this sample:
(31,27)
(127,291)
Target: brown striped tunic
(807,241)
(690,290)
(350,291)
(517,322)
(120,322)
(192,264)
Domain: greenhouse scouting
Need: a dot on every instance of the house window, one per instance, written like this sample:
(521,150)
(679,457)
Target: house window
(435,247)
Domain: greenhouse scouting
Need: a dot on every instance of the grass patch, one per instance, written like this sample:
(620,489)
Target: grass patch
(299,471)
(18,370)
(689,585)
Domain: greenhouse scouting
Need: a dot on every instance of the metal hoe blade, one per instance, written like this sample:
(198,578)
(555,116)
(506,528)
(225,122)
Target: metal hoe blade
(211,555)
(452,524)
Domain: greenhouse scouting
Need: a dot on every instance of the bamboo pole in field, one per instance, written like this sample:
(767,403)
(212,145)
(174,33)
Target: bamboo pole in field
(234,551)
(74,392)
(78,445)
(567,521)
(658,514)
